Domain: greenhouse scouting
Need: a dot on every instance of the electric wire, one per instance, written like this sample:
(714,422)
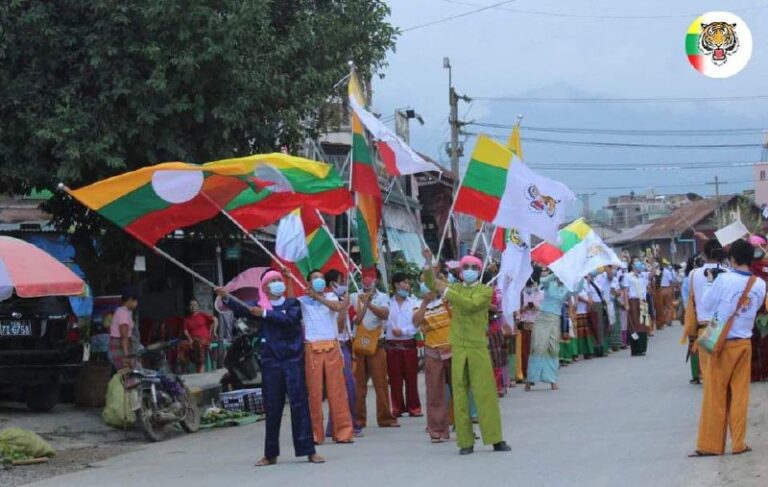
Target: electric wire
(619,100)
(627,145)
(627,132)
(454,17)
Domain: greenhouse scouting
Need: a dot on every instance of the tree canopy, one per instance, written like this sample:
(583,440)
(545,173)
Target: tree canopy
(91,89)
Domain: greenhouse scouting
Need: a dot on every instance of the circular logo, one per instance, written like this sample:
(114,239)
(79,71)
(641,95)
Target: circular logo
(718,44)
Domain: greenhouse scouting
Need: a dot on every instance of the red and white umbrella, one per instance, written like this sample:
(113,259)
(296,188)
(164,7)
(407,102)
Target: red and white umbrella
(32,273)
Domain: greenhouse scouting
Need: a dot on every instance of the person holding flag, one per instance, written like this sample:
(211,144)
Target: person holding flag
(471,368)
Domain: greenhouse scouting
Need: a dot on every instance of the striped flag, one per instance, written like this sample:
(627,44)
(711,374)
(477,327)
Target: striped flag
(513,143)
(365,184)
(302,244)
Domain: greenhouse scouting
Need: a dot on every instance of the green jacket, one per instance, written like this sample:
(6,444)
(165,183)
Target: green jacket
(469,312)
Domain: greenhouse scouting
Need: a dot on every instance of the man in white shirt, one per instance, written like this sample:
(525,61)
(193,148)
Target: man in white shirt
(371,312)
(585,337)
(734,298)
(402,356)
(324,361)
(597,312)
(637,315)
(696,317)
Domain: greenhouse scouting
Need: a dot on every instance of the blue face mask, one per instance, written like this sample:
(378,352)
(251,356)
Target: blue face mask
(451,279)
(639,266)
(318,284)
(276,288)
(403,293)
(471,275)
(423,288)
(593,273)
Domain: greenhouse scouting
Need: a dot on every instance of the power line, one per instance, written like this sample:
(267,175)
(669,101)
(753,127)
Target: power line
(457,16)
(539,99)
(629,132)
(654,186)
(627,145)
(635,168)
(599,16)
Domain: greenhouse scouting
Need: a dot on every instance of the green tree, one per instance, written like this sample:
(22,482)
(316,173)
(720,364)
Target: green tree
(92,88)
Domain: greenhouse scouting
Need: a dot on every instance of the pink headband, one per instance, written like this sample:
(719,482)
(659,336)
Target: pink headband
(470,260)
(264,302)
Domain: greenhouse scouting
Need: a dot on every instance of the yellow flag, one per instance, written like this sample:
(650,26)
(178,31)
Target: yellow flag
(513,143)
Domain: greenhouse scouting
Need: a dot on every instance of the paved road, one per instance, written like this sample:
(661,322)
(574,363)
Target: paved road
(615,421)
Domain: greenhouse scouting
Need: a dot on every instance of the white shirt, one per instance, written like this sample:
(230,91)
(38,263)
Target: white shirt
(581,306)
(319,320)
(667,277)
(346,333)
(721,300)
(401,317)
(590,287)
(700,286)
(636,285)
(370,320)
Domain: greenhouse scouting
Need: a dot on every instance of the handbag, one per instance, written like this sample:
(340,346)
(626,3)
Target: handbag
(716,332)
(366,341)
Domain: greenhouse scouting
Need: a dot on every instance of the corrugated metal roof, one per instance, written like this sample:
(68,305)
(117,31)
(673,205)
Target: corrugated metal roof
(36,227)
(629,234)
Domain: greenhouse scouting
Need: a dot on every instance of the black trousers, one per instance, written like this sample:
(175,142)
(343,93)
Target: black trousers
(279,380)
(639,346)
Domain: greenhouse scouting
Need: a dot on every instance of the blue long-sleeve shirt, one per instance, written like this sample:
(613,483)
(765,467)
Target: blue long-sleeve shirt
(555,293)
(280,331)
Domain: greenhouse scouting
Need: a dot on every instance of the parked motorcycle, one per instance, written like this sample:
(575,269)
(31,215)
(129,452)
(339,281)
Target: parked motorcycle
(162,399)
(242,361)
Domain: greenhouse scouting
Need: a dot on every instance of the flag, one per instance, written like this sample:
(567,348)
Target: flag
(303,244)
(153,201)
(731,233)
(365,184)
(500,238)
(511,195)
(398,157)
(545,253)
(583,251)
(514,271)
(513,143)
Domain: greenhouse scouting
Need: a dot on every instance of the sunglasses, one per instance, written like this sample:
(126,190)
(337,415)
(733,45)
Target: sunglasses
(470,267)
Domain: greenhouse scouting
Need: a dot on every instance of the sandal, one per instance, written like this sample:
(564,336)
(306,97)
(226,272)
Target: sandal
(344,442)
(264,462)
(437,440)
(745,450)
(528,388)
(698,453)
(555,387)
(315,459)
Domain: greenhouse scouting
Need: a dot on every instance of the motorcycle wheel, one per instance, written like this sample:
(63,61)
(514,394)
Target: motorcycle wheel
(191,421)
(152,431)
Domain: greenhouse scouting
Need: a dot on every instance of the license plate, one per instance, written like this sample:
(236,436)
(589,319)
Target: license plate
(15,328)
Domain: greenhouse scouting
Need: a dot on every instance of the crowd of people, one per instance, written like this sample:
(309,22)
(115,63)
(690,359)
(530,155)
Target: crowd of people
(333,340)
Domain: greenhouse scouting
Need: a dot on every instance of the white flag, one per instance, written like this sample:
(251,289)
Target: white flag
(533,203)
(290,241)
(731,233)
(584,257)
(514,272)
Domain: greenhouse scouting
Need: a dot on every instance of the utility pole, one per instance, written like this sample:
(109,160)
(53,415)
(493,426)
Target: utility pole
(717,184)
(584,197)
(454,150)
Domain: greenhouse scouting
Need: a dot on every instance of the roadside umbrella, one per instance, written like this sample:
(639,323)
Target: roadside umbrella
(244,287)
(33,273)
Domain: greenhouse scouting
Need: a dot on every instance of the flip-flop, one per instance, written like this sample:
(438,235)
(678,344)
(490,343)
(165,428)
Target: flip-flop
(315,459)
(745,450)
(265,462)
(698,453)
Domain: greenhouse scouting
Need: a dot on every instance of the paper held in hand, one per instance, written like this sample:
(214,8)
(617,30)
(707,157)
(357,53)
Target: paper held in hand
(730,233)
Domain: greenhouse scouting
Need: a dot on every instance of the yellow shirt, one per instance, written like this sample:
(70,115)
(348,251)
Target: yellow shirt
(437,324)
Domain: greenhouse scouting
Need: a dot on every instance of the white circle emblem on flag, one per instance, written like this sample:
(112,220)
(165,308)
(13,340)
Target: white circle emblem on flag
(177,186)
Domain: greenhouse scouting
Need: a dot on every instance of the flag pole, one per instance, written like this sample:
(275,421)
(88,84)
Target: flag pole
(162,253)
(477,238)
(337,245)
(488,249)
(445,227)
(257,242)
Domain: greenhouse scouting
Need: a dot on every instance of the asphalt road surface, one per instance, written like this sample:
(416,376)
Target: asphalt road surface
(620,420)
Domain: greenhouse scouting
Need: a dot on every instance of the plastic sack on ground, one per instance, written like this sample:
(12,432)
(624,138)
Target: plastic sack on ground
(24,443)
(117,412)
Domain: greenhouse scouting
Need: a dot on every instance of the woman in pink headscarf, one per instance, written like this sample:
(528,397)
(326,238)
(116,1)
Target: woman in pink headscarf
(282,364)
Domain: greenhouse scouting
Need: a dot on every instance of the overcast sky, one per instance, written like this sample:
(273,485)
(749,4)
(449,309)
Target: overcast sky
(584,49)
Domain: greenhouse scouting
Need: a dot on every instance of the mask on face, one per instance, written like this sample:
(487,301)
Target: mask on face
(403,293)
(340,290)
(423,288)
(639,266)
(276,288)
(318,284)
(471,275)
(593,273)
(451,279)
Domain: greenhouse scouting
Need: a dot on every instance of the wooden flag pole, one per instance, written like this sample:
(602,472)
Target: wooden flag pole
(254,239)
(338,247)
